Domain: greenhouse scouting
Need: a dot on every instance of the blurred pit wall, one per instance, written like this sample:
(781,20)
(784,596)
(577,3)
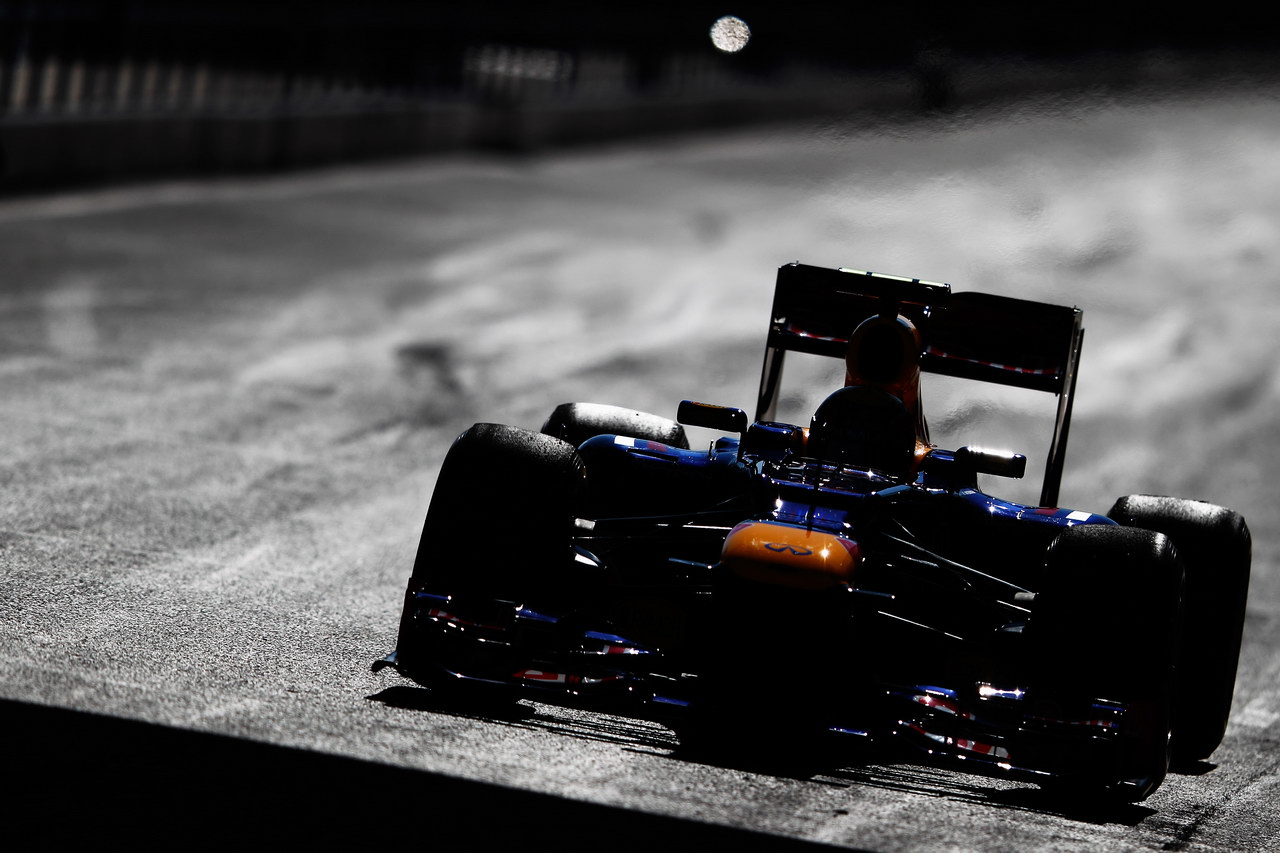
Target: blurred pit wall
(95,91)
(101,91)
(84,143)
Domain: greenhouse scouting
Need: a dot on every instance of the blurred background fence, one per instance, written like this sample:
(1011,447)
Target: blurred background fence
(103,90)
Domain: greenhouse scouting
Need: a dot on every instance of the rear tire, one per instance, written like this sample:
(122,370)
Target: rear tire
(1215,546)
(1106,624)
(577,422)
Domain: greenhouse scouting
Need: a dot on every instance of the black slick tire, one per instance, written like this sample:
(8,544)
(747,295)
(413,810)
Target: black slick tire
(499,522)
(1215,546)
(1106,624)
(501,512)
(497,532)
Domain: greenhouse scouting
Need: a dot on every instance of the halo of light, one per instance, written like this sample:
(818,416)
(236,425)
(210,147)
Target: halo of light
(730,34)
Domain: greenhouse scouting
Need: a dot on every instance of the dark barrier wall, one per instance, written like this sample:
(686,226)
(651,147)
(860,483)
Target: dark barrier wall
(98,90)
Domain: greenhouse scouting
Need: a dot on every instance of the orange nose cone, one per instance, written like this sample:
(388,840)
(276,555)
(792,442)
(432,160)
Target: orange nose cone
(789,556)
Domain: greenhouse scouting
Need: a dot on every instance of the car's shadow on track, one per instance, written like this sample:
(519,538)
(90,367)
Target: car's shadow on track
(1197,768)
(961,787)
(852,767)
(886,771)
(1044,802)
(603,724)
(488,708)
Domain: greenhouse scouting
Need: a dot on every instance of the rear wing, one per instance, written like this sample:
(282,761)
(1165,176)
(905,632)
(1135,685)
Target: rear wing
(968,335)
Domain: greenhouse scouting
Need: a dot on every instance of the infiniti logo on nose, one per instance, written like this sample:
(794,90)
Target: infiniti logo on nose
(781,547)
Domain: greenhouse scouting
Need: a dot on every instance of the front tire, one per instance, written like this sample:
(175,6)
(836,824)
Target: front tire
(1106,624)
(501,513)
(1215,546)
(498,526)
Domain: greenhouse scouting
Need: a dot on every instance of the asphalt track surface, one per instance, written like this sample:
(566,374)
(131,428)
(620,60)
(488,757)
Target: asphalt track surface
(224,406)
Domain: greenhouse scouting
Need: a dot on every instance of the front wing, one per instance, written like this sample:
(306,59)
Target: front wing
(518,652)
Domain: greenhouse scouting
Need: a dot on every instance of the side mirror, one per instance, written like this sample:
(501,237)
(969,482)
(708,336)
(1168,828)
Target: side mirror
(999,463)
(722,418)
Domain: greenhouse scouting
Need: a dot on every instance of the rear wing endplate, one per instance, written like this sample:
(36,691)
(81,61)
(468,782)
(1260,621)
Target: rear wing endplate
(967,335)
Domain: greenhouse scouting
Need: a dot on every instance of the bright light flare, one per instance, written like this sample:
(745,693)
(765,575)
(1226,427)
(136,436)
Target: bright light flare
(730,34)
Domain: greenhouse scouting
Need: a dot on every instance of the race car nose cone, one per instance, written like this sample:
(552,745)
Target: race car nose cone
(789,556)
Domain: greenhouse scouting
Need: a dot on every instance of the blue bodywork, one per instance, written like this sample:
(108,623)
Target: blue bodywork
(668,560)
(919,634)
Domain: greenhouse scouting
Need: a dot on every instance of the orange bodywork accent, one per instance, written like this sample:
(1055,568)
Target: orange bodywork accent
(923,449)
(789,556)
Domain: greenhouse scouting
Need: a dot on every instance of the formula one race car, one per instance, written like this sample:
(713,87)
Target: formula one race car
(845,579)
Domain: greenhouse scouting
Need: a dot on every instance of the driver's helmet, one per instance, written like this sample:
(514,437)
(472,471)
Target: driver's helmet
(884,352)
(876,419)
(864,427)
